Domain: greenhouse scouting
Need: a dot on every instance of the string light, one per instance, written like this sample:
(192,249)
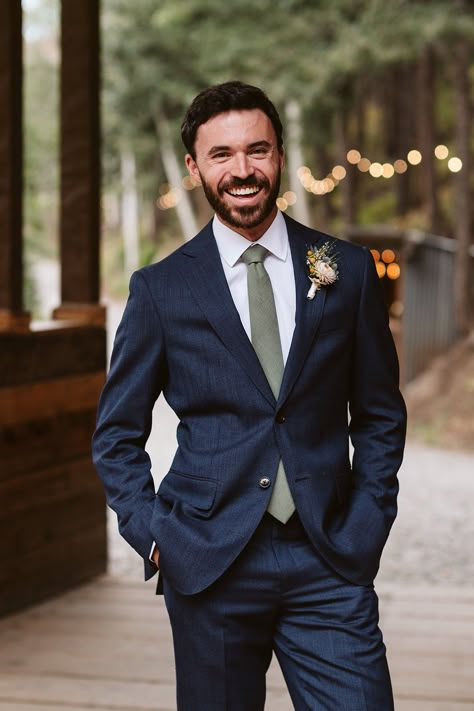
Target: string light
(455,164)
(414,157)
(339,172)
(388,255)
(353,157)
(393,271)
(281,204)
(289,197)
(364,165)
(441,152)
(400,166)
(376,170)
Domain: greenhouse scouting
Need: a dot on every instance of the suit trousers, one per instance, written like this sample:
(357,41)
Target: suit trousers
(279,596)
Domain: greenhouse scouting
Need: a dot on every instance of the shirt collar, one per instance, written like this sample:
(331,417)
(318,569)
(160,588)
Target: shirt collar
(232,245)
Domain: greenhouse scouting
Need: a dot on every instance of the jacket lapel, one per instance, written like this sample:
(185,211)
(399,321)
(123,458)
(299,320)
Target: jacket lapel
(203,272)
(308,312)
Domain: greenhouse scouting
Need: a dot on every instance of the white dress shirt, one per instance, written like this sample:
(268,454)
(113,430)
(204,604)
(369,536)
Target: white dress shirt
(278,264)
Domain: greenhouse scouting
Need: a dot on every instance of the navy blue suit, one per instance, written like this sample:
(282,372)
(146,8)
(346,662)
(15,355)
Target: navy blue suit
(181,335)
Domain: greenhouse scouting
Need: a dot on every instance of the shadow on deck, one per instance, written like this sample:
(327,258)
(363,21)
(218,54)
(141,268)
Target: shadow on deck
(107,646)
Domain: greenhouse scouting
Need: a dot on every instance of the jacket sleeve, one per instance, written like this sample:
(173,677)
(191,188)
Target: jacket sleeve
(124,418)
(377,409)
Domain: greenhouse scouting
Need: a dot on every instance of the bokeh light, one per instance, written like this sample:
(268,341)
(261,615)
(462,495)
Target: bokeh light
(400,166)
(414,157)
(393,271)
(455,164)
(353,157)
(441,152)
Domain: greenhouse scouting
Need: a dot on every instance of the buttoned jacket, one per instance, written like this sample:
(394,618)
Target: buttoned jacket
(181,336)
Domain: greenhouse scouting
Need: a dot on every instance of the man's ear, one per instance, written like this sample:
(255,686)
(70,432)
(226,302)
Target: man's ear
(191,165)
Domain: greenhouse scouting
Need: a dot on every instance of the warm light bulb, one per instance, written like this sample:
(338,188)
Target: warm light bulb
(400,166)
(441,152)
(376,170)
(455,164)
(414,157)
(339,172)
(364,165)
(393,271)
(388,255)
(353,157)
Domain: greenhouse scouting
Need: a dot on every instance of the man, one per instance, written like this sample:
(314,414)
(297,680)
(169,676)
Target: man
(271,343)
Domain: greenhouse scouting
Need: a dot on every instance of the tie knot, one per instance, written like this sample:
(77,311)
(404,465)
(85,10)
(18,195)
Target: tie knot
(255,254)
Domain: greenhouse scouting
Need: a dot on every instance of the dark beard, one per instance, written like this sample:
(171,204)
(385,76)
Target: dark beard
(243,217)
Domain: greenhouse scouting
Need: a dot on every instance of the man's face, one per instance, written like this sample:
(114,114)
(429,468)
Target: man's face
(239,166)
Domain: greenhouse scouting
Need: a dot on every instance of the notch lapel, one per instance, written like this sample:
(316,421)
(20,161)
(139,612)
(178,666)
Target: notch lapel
(308,312)
(205,277)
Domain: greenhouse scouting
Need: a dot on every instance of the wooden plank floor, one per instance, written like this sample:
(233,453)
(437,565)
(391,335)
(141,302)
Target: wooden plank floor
(107,646)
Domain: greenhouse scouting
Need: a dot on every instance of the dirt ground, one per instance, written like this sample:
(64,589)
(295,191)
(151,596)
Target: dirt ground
(440,402)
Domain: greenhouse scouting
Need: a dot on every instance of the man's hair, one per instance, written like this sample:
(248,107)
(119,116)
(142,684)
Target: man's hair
(230,96)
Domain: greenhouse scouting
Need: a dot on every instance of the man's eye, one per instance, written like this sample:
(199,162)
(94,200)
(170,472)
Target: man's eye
(220,156)
(259,152)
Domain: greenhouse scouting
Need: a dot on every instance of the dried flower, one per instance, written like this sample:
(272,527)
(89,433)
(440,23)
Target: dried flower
(322,267)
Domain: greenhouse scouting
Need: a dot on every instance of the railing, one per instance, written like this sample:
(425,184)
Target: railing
(426,291)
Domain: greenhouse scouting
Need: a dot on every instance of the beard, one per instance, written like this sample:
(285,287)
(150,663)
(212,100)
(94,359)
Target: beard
(245,217)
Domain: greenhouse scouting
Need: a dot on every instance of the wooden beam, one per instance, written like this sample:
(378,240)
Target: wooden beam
(12,317)
(80,153)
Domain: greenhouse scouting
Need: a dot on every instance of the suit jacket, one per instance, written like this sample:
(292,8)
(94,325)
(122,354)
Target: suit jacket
(181,335)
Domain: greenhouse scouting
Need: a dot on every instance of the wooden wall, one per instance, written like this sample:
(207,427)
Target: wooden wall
(52,508)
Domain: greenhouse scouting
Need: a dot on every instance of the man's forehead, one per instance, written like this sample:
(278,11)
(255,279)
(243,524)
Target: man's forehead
(230,125)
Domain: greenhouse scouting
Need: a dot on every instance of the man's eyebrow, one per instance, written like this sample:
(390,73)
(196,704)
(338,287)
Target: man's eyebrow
(263,143)
(217,149)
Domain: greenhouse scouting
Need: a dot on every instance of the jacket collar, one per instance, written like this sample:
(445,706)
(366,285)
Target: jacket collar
(202,270)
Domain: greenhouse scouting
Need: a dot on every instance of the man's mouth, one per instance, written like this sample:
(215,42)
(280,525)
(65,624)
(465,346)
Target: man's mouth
(244,191)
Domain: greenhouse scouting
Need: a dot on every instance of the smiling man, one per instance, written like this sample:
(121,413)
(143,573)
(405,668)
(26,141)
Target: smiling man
(263,335)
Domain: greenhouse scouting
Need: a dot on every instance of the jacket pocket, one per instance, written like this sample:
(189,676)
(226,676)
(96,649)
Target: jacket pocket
(196,491)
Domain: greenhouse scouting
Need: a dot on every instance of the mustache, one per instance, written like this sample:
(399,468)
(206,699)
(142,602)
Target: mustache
(251,181)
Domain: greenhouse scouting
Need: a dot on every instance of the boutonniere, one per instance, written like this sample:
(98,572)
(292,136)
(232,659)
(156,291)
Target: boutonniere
(322,267)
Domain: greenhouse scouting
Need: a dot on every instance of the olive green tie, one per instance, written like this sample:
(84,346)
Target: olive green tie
(265,338)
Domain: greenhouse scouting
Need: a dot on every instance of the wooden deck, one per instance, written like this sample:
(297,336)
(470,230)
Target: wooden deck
(107,646)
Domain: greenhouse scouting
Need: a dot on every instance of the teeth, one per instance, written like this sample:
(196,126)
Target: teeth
(243,191)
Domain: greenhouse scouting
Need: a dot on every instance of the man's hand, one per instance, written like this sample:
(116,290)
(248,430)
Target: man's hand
(156,557)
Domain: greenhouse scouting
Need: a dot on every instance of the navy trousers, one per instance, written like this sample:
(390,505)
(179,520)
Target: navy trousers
(279,596)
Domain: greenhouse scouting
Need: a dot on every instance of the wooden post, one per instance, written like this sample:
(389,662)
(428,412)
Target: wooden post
(80,162)
(12,316)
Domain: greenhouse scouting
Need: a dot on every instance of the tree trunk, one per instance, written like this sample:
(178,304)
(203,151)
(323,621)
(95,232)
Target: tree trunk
(294,157)
(347,185)
(184,208)
(427,136)
(403,131)
(462,287)
(129,211)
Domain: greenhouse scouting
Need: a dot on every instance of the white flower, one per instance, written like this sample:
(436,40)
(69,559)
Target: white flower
(322,268)
(325,272)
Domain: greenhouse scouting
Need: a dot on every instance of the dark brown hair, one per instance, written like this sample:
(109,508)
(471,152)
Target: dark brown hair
(230,96)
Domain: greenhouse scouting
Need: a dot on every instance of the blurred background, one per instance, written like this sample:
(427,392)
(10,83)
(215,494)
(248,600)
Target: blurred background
(376,99)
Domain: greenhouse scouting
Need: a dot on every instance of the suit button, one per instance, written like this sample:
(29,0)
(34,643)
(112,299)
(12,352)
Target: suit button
(280,418)
(264,482)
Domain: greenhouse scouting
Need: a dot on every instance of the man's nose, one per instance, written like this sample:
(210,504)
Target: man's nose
(242,166)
